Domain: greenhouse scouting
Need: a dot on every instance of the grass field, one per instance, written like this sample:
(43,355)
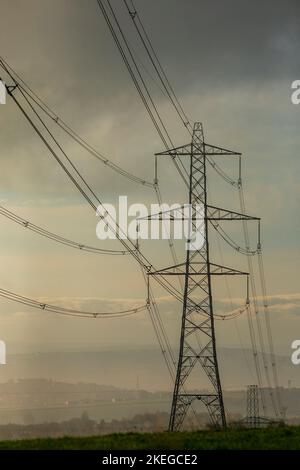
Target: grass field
(280,438)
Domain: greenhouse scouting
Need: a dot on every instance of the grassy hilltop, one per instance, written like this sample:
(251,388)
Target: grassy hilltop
(279,438)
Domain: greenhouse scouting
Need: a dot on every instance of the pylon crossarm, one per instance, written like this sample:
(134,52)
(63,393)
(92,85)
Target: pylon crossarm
(218,213)
(166,271)
(198,149)
(213,150)
(167,214)
(213,214)
(215,269)
(176,151)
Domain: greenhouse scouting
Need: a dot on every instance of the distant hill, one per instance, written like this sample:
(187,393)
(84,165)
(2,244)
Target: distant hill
(33,401)
(124,368)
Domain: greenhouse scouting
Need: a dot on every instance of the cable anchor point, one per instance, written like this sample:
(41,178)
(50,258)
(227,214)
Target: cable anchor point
(11,88)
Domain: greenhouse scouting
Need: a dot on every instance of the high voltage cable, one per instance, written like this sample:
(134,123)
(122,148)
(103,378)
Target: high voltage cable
(157,121)
(146,42)
(162,76)
(231,242)
(167,142)
(167,139)
(40,103)
(129,245)
(10,215)
(68,130)
(67,311)
(153,304)
(134,15)
(157,66)
(77,138)
(218,169)
(133,250)
(231,303)
(59,161)
(54,154)
(138,256)
(57,120)
(130,69)
(266,313)
(163,83)
(212,163)
(230,298)
(156,312)
(83,193)
(221,175)
(52,236)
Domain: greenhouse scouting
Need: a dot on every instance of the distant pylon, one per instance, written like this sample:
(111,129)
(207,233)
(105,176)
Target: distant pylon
(253,418)
(252,406)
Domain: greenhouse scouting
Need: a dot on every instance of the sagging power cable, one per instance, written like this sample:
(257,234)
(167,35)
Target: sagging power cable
(57,238)
(67,129)
(67,311)
(167,86)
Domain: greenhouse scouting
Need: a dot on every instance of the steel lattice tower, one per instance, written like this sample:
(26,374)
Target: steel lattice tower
(197,339)
(252,406)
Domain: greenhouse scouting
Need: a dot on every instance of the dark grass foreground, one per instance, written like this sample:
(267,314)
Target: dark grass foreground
(278,438)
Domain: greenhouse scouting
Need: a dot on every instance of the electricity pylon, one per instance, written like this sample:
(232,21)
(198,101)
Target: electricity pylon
(252,406)
(253,418)
(197,339)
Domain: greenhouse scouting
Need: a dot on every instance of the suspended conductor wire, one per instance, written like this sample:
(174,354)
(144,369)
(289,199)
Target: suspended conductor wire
(129,245)
(157,64)
(132,251)
(129,68)
(151,109)
(162,76)
(152,307)
(73,167)
(67,311)
(68,130)
(224,235)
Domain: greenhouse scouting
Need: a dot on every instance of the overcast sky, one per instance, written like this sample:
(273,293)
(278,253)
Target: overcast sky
(231,63)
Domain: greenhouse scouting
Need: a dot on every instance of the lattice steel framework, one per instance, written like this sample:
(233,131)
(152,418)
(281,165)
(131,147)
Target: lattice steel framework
(252,406)
(197,339)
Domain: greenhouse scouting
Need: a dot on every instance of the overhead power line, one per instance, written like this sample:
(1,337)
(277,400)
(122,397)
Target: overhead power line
(68,130)
(167,86)
(57,238)
(67,311)
(89,194)
(237,184)
(173,98)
